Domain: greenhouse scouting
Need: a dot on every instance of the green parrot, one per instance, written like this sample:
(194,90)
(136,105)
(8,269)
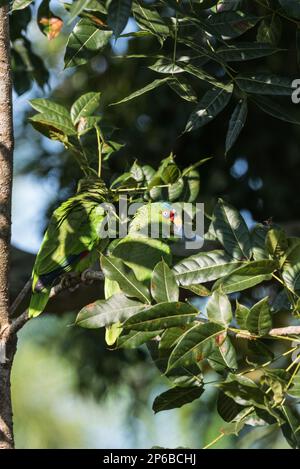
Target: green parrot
(70,241)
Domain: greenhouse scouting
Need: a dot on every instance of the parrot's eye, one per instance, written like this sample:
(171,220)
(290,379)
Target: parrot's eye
(166,214)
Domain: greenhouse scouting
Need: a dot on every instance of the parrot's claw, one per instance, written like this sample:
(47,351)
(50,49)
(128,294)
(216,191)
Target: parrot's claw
(85,277)
(70,281)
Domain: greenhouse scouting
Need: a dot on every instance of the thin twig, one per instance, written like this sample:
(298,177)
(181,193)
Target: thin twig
(20,297)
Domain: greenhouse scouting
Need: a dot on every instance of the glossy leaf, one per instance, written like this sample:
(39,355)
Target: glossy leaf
(242,51)
(183,89)
(247,276)
(20,4)
(204,267)
(259,320)
(265,83)
(118,15)
(241,315)
(134,339)
(145,89)
(150,20)
(236,124)
(224,357)
(196,344)
(232,231)
(227,408)
(162,316)
(218,309)
(176,397)
(212,103)
(116,270)
(163,283)
(231,24)
(84,42)
(103,313)
(85,106)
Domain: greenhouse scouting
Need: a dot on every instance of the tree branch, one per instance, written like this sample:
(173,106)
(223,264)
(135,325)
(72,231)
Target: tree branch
(86,277)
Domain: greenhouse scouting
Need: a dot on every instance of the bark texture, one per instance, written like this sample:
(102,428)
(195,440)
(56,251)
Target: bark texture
(7,347)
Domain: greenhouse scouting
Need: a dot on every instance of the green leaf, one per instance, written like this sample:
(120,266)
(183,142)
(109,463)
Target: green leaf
(241,314)
(242,51)
(291,429)
(142,254)
(231,24)
(150,20)
(116,270)
(292,7)
(171,336)
(166,65)
(183,89)
(219,309)
(162,316)
(198,72)
(146,89)
(264,83)
(199,290)
(46,105)
(76,8)
(236,123)
(212,103)
(54,121)
(103,313)
(294,389)
(135,338)
(163,284)
(247,276)
(85,106)
(269,30)
(259,320)
(204,267)
(232,231)
(227,408)
(196,344)
(276,242)
(258,237)
(242,389)
(224,357)
(277,110)
(84,42)
(176,397)
(291,276)
(118,15)
(20,4)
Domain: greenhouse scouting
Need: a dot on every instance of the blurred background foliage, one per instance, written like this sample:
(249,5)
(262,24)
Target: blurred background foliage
(68,389)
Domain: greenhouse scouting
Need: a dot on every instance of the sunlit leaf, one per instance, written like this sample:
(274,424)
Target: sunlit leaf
(162,316)
(163,283)
(247,276)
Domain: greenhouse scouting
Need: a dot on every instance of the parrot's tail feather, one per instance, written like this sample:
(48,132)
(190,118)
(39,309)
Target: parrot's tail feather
(38,302)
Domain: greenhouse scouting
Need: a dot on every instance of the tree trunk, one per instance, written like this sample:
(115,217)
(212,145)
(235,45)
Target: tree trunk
(7,345)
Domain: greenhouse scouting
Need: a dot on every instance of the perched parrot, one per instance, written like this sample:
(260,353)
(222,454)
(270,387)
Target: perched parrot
(159,218)
(70,241)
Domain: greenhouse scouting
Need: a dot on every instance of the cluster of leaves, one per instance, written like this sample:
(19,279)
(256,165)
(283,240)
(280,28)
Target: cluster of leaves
(188,342)
(207,50)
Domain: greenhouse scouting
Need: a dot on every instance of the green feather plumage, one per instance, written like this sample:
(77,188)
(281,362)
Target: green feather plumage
(73,229)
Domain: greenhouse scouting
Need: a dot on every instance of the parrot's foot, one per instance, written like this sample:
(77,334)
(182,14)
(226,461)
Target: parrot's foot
(86,277)
(70,281)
